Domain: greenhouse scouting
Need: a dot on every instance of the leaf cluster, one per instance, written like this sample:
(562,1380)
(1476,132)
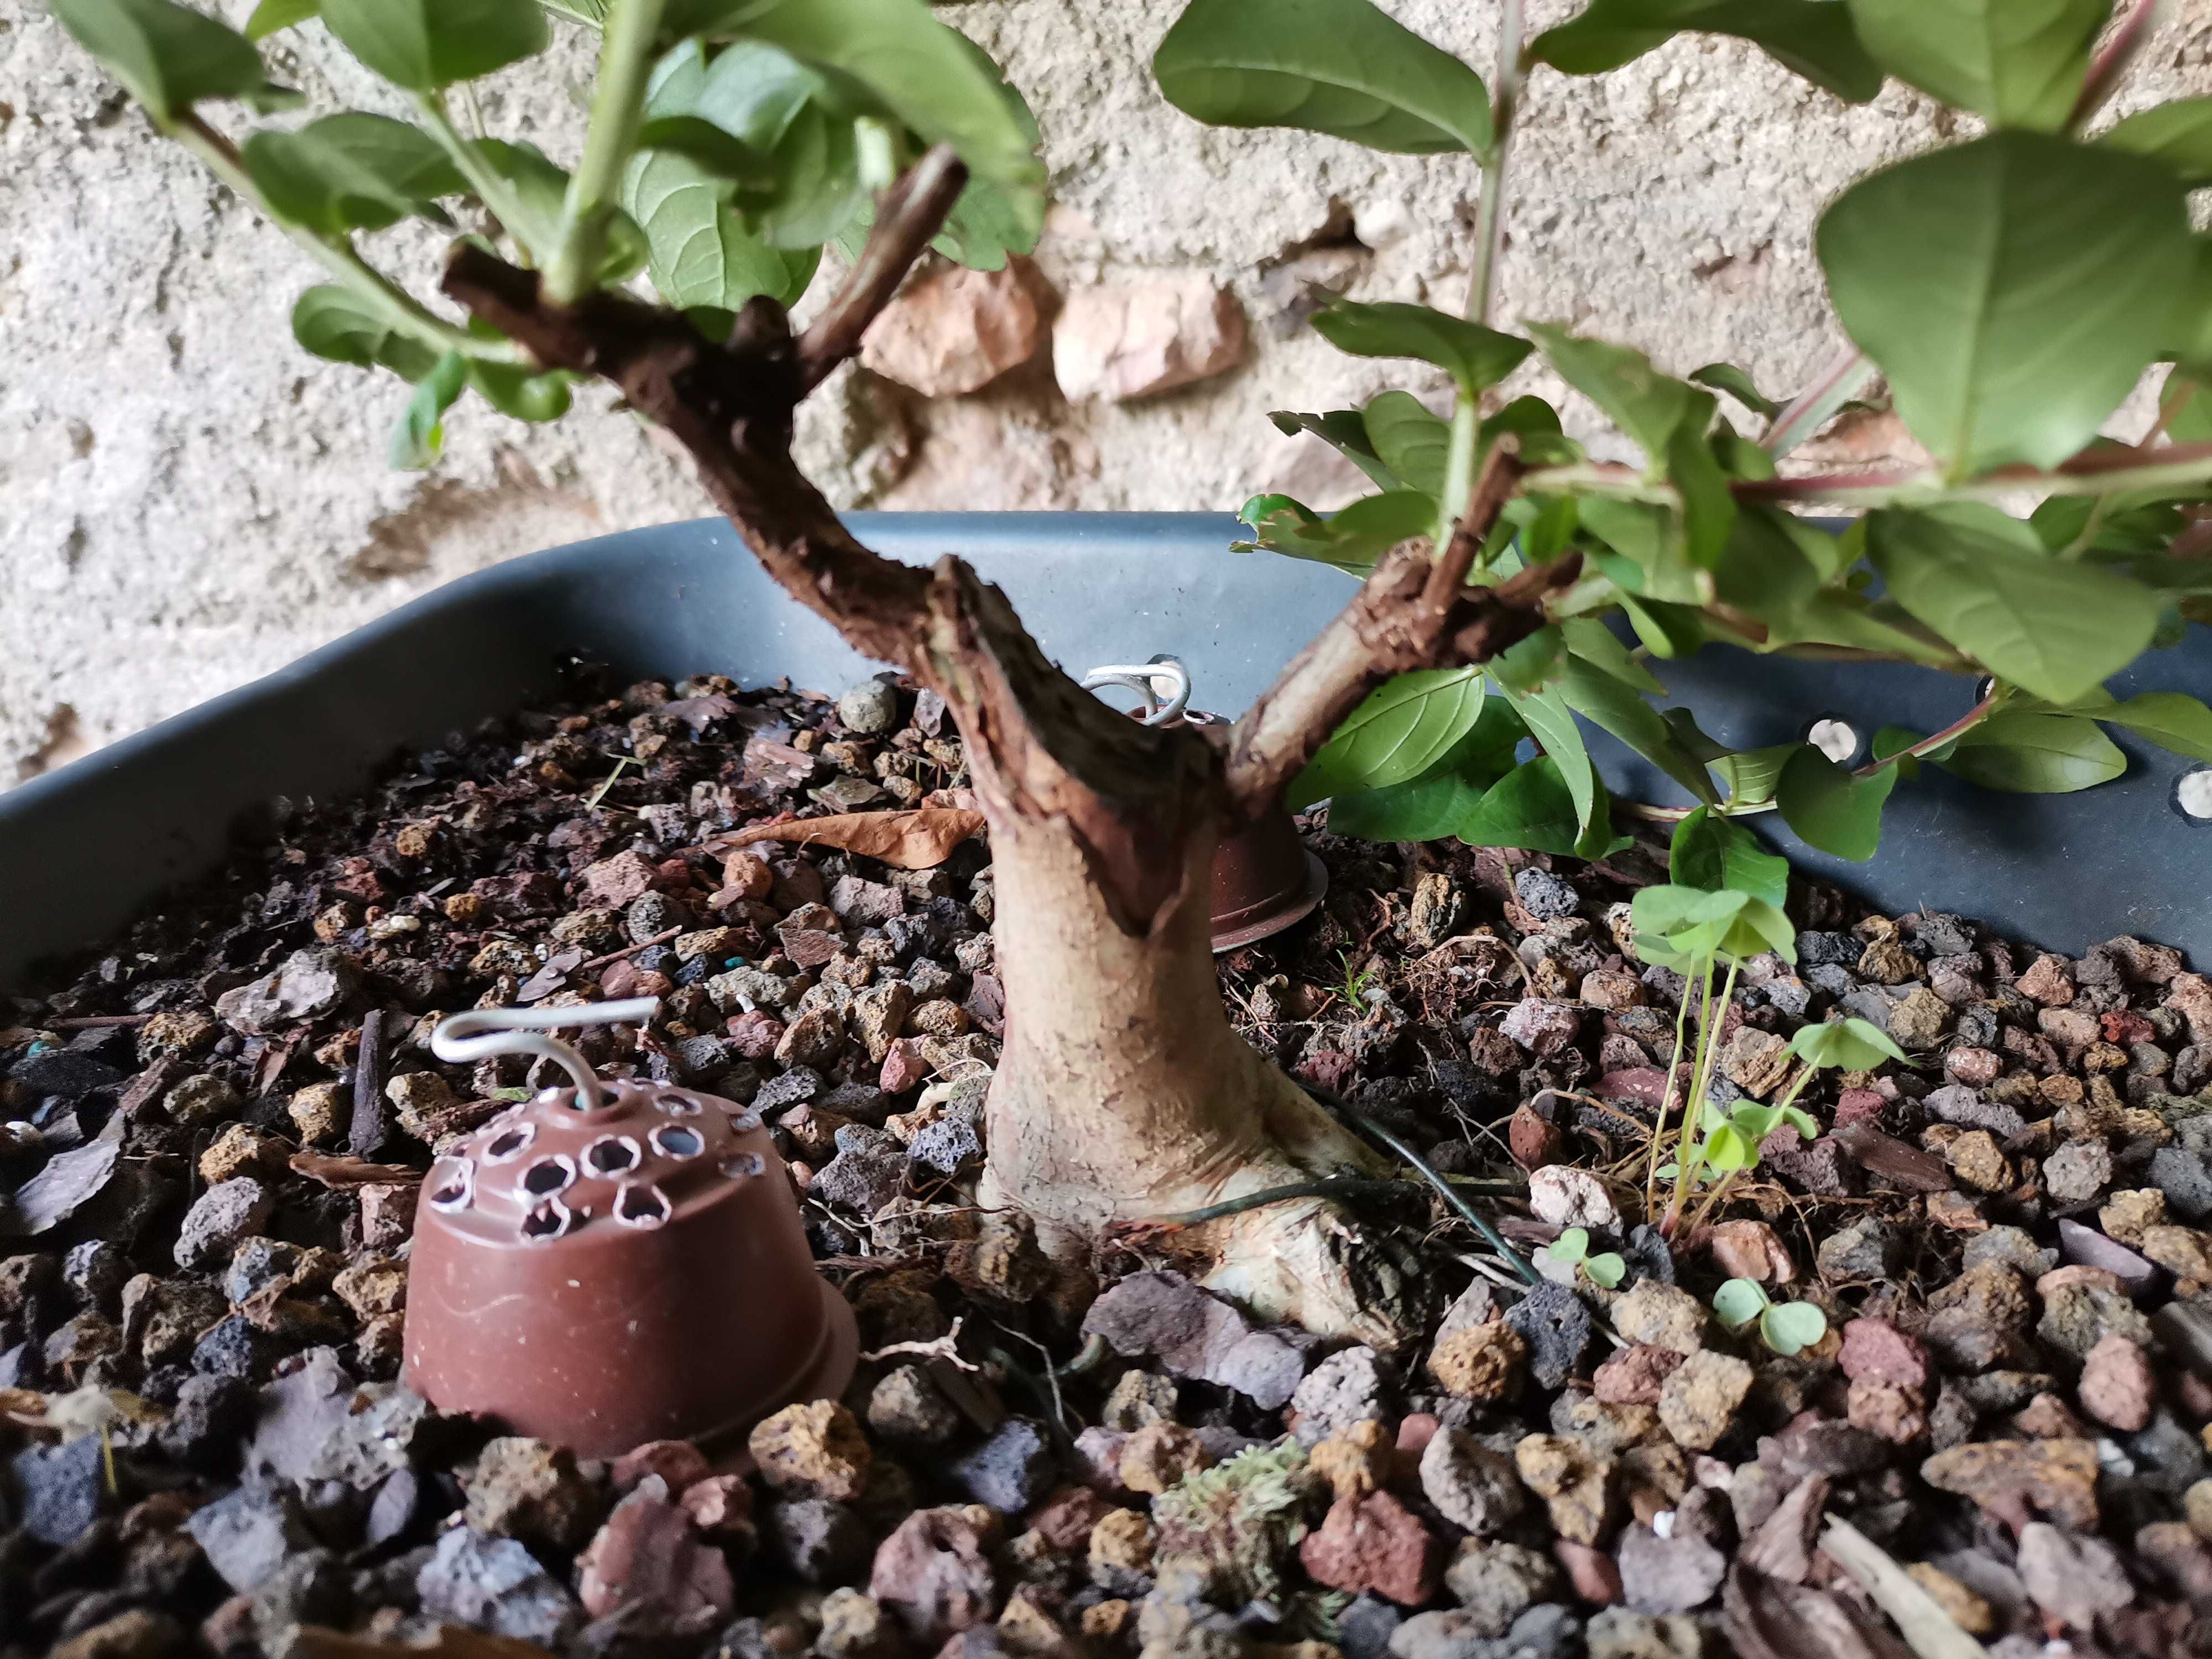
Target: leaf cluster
(2013,288)
(767,126)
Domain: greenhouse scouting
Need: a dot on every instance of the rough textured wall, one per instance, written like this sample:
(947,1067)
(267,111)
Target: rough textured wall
(188,500)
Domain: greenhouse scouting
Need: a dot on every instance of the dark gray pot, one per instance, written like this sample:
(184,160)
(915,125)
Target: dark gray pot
(82,849)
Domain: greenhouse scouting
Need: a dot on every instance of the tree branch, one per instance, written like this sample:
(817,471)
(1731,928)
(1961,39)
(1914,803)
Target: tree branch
(1413,612)
(911,213)
(730,406)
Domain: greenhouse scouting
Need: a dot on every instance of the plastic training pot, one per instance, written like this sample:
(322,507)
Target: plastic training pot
(636,1271)
(86,846)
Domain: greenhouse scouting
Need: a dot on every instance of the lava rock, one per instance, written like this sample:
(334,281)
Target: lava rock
(1012,1469)
(1557,1328)
(246,1533)
(60,1490)
(223,1218)
(495,1584)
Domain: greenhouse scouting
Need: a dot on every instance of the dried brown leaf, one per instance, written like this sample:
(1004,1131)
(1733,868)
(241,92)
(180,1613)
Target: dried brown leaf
(906,840)
(337,1170)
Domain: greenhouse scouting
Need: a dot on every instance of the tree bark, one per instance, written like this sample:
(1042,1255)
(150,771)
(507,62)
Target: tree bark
(1122,1091)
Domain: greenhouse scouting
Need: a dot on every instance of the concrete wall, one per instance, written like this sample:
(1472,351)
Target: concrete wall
(188,500)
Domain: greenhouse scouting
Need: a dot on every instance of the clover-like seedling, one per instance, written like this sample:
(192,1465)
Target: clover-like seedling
(1787,1327)
(1606,1268)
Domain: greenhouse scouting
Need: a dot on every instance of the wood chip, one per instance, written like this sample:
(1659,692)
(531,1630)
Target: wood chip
(1928,1630)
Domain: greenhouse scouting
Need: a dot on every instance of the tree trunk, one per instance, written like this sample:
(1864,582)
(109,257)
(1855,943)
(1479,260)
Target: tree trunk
(1123,1093)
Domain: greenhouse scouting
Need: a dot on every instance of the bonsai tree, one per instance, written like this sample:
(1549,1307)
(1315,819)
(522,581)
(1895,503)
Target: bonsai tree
(2013,288)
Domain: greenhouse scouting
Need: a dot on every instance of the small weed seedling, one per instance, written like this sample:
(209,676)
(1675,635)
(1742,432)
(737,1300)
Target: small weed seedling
(1787,1327)
(1606,1268)
(1723,907)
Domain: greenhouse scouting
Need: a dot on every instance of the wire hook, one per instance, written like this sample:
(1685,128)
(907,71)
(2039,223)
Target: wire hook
(484,1032)
(1139,678)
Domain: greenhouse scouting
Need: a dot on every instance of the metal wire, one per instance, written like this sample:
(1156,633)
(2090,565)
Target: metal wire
(484,1031)
(1139,678)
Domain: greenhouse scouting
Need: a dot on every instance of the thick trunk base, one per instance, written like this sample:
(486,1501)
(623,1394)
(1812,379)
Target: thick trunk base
(1123,1094)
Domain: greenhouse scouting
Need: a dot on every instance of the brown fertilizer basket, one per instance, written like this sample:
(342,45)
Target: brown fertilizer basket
(1265,879)
(614,1263)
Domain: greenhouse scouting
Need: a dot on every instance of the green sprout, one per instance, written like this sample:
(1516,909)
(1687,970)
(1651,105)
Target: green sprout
(1693,927)
(1355,982)
(1787,1327)
(1606,1269)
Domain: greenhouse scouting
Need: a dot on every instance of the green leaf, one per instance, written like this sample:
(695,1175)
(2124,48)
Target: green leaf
(1790,1327)
(993,219)
(1727,377)
(1982,581)
(1812,37)
(1727,1150)
(1615,706)
(1572,1245)
(1533,806)
(1849,1045)
(1405,727)
(1339,67)
(424,45)
(1532,663)
(1829,807)
(273,16)
(1709,509)
(352,171)
(1424,808)
(1762,569)
(1352,437)
(537,185)
(1411,442)
(2014,289)
(698,251)
(2017,63)
(2172,719)
(1351,539)
(167,56)
(1475,357)
(1598,646)
(2177,134)
(1753,775)
(1551,724)
(518,391)
(1688,928)
(1606,1268)
(1649,406)
(2026,753)
(926,73)
(1739,1302)
(331,322)
(421,434)
(1537,424)
(1712,853)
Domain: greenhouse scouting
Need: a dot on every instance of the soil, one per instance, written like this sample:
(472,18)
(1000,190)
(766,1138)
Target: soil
(214,1132)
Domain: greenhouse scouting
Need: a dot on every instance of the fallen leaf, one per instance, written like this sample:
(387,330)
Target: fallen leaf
(337,1170)
(70,1181)
(906,840)
(1885,1155)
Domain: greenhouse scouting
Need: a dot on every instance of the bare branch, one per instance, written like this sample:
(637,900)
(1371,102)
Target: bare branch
(912,212)
(730,407)
(1413,612)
